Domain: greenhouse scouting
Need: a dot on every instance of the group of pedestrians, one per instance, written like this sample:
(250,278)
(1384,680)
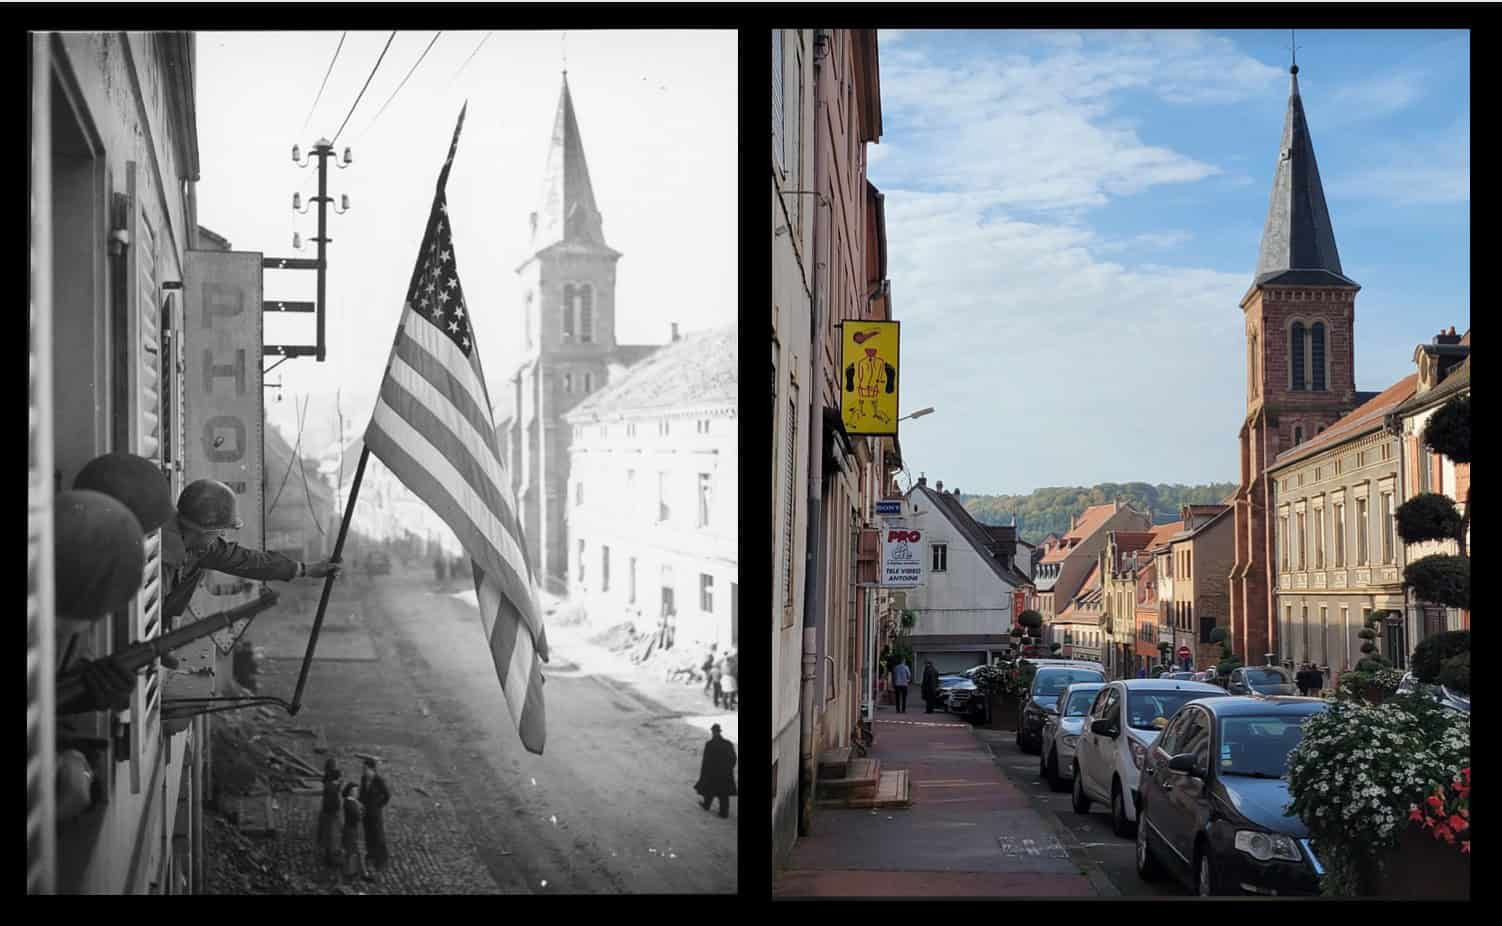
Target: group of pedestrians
(1310,679)
(722,676)
(354,804)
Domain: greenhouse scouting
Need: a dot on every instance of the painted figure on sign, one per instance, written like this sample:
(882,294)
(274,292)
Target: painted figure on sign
(868,378)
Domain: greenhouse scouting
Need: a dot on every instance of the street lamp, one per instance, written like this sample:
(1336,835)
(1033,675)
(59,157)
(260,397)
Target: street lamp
(918,414)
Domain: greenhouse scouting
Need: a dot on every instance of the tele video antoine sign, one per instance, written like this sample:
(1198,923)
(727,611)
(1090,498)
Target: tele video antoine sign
(901,557)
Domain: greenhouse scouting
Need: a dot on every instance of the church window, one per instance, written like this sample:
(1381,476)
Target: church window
(1251,364)
(585,295)
(1298,434)
(1296,357)
(568,313)
(527,318)
(1317,355)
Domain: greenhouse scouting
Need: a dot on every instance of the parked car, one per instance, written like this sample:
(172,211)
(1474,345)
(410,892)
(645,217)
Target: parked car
(1123,723)
(1049,681)
(1061,731)
(1261,680)
(1179,676)
(1219,827)
(947,685)
(1449,697)
(377,564)
(966,699)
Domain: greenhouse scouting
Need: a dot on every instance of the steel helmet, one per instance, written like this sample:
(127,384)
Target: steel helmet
(135,482)
(99,555)
(209,504)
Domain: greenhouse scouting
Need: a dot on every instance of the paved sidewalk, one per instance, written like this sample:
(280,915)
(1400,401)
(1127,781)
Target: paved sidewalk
(969,831)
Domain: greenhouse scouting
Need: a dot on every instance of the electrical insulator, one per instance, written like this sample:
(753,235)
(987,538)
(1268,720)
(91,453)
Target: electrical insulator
(297,201)
(296,154)
(296,241)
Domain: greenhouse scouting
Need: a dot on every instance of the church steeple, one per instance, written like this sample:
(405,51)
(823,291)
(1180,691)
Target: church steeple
(1298,241)
(567,211)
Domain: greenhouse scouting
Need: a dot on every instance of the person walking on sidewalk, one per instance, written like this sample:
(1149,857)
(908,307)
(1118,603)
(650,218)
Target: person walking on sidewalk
(930,686)
(374,796)
(901,677)
(730,678)
(1316,680)
(717,772)
(328,816)
(354,861)
(707,667)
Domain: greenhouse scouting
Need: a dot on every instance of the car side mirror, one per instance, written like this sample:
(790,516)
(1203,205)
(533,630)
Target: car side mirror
(1104,728)
(1186,763)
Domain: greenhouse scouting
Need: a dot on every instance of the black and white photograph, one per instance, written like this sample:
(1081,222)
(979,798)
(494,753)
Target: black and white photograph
(383,462)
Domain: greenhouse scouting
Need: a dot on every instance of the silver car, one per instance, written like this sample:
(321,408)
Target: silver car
(1062,731)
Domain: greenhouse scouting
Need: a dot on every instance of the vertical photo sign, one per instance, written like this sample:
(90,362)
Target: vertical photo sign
(222,340)
(868,377)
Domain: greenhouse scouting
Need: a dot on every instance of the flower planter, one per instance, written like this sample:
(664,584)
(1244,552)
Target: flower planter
(1421,867)
(1004,712)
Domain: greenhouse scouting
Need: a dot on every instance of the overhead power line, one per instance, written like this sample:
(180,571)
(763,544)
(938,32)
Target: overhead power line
(401,85)
(366,87)
(325,83)
(470,58)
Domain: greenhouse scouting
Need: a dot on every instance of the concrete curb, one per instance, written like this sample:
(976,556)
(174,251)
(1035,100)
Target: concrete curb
(1091,869)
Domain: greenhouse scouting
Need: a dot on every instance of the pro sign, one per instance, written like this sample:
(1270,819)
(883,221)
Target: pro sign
(901,557)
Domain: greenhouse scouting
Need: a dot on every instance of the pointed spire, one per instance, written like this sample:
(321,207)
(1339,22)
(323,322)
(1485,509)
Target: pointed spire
(568,211)
(1298,241)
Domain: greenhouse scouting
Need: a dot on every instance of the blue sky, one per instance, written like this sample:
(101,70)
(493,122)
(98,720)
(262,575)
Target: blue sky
(1073,218)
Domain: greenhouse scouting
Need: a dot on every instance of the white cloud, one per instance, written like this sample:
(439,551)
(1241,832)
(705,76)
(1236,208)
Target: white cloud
(1430,171)
(1380,96)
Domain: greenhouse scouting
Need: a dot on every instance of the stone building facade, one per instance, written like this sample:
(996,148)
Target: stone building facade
(1200,558)
(1335,548)
(653,504)
(1068,560)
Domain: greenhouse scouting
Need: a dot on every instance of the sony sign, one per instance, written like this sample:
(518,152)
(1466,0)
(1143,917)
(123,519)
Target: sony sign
(901,557)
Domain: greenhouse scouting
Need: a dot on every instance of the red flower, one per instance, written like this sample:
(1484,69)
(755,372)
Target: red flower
(1416,814)
(1466,847)
(1436,802)
(1458,824)
(1442,832)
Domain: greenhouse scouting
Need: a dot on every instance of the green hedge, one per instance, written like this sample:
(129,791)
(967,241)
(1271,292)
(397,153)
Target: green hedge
(1441,579)
(1430,655)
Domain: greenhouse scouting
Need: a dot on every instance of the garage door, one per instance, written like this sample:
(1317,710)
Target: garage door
(950,662)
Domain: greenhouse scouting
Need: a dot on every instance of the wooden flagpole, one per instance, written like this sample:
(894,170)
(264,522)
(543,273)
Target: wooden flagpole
(328,584)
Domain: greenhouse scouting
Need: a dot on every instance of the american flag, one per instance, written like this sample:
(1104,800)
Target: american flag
(434,428)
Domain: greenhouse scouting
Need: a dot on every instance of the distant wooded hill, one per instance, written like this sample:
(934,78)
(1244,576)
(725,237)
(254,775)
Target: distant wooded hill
(1048,510)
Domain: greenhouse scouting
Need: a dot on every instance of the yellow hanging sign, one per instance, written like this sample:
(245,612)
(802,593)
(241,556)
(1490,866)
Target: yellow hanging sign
(868,377)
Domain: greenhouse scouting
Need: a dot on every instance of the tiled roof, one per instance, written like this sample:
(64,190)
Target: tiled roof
(978,536)
(698,370)
(1131,541)
(1458,381)
(1366,417)
(1162,533)
(1091,519)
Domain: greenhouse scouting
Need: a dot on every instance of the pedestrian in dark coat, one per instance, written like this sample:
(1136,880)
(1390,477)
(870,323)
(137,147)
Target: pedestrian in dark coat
(354,861)
(707,666)
(717,772)
(328,816)
(374,796)
(717,679)
(930,686)
(1316,679)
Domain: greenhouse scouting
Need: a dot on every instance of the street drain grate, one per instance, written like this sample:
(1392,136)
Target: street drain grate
(1031,847)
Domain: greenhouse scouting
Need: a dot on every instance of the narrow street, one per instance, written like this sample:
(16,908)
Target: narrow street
(1089,834)
(403,673)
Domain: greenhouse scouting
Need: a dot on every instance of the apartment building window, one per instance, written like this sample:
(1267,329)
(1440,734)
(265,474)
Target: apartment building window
(1324,635)
(568,383)
(1319,538)
(631,581)
(604,569)
(1301,539)
(581,561)
(579,493)
(1189,563)
(1388,525)
(1340,535)
(1304,619)
(704,499)
(588,383)
(631,429)
(1286,644)
(669,606)
(1345,630)
(940,557)
(1361,532)
(1207,627)
(706,593)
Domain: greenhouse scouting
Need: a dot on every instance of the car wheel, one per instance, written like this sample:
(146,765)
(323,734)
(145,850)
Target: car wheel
(1120,825)
(1148,868)
(1204,881)
(1080,802)
(1055,780)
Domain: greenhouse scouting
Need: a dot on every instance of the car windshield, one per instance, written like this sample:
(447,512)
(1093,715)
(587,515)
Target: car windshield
(1079,702)
(1267,677)
(1051,682)
(1258,747)
(946,681)
(1150,710)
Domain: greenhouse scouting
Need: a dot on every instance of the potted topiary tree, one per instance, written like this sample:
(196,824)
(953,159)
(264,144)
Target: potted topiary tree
(1228,660)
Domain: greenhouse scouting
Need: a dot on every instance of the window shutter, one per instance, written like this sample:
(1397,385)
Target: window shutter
(789,481)
(779,158)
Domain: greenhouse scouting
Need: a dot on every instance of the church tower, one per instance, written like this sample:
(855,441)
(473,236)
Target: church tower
(1300,324)
(569,341)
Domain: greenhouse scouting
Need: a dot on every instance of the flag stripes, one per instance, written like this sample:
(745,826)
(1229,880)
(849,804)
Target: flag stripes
(516,662)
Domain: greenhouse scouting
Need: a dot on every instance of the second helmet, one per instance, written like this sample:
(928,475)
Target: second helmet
(210,504)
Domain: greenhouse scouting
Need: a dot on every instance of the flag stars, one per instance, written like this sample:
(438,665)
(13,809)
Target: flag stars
(452,283)
(445,257)
(443,295)
(454,326)
(459,311)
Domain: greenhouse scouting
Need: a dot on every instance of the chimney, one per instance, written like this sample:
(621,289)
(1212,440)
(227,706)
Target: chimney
(939,485)
(957,493)
(675,331)
(922,479)
(1447,337)
(534,223)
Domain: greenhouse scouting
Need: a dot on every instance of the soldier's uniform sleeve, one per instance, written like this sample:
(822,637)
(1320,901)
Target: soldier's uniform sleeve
(226,556)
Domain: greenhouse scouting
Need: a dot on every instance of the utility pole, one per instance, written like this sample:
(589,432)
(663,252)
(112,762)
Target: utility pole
(323,150)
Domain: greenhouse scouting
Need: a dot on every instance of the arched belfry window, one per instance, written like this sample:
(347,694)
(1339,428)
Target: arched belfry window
(1317,356)
(568,312)
(1296,356)
(1298,434)
(586,314)
(1251,365)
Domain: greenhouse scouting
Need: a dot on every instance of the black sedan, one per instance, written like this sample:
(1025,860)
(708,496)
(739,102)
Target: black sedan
(1261,680)
(1218,826)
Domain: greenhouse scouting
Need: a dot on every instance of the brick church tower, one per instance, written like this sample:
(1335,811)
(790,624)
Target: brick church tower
(568,334)
(1300,324)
